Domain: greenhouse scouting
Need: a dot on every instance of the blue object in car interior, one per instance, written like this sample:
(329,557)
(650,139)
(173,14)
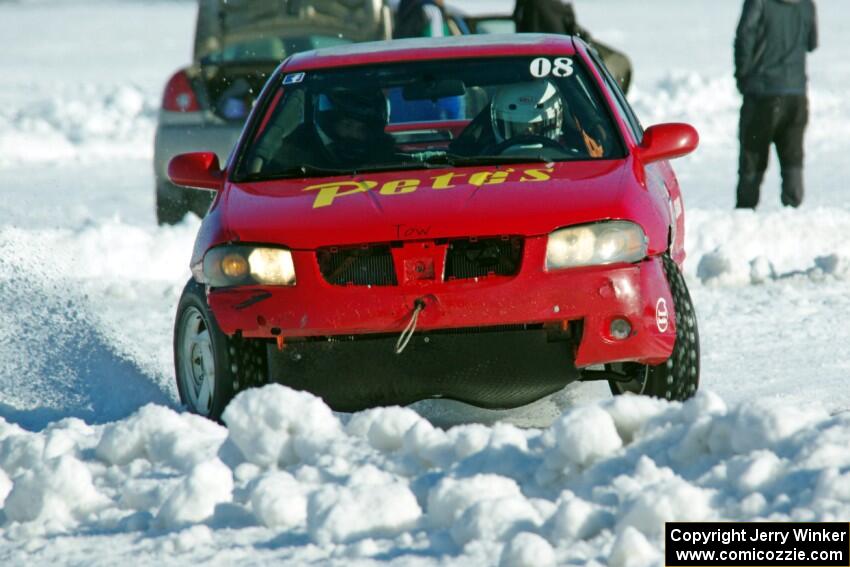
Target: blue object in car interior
(401,110)
(234,109)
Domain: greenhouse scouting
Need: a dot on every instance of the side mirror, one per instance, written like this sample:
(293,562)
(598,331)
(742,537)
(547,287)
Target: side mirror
(199,170)
(667,141)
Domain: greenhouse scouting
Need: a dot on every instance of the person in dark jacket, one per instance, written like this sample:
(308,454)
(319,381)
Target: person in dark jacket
(771,43)
(420,18)
(546,16)
(557,16)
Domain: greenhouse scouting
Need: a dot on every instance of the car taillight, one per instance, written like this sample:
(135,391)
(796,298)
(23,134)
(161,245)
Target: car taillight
(178,95)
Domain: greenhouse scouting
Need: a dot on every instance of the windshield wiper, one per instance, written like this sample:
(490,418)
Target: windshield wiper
(455,159)
(425,164)
(294,173)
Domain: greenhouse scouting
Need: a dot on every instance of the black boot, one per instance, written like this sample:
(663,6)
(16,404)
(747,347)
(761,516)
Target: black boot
(749,186)
(792,186)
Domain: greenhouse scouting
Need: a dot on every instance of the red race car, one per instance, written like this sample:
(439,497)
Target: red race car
(476,218)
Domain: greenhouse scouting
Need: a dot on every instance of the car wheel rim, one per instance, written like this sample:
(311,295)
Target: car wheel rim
(198,362)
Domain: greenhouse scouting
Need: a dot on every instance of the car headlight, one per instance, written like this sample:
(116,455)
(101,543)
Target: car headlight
(227,266)
(595,244)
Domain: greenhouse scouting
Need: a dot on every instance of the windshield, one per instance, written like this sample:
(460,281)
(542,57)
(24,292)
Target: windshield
(429,114)
(271,48)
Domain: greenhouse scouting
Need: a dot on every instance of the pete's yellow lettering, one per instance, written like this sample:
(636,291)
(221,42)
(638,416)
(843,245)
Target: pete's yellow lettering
(330,191)
(489,177)
(399,187)
(537,174)
(444,181)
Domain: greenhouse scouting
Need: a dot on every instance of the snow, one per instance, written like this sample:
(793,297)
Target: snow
(698,460)
(80,122)
(528,550)
(99,464)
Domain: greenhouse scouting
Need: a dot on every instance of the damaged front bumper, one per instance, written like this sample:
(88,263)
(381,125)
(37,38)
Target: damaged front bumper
(588,299)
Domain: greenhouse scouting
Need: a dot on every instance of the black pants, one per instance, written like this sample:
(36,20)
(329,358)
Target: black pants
(767,120)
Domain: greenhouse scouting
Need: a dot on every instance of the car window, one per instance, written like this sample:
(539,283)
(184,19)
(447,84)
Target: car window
(622,104)
(271,48)
(425,114)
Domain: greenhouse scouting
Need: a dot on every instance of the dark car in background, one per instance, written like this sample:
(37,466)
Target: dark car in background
(238,44)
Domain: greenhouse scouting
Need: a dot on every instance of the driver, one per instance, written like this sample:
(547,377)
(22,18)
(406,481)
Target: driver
(351,126)
(534,116)
(527,115)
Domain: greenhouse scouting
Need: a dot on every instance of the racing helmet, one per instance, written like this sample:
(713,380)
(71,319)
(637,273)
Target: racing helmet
(534,108)
(366,106)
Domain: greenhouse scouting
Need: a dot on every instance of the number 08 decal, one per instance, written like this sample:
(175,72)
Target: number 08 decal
(559,67)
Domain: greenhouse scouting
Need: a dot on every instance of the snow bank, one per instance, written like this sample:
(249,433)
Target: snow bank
(710,104)
(77,122)
(85,312)
(107,248)
(597,485)
(746,247)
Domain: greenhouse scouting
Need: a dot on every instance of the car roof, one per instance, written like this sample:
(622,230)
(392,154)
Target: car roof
(421,49)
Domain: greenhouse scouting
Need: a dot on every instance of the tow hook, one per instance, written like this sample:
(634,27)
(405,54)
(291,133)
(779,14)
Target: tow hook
(408,331)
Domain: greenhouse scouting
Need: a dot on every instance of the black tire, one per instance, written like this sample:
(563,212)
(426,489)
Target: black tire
(678,377)
(211,367)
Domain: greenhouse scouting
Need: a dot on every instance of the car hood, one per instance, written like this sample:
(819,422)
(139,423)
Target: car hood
(222,22)
(528,200)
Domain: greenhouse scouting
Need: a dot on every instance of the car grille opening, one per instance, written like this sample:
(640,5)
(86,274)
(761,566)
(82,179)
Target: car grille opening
(363,265)
(475,258)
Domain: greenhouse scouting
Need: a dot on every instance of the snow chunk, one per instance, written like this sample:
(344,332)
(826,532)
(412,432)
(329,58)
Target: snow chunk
(761,425)
(344,514)
(279,501)
(759,469)
(662,497)
(576,518)
(21,452)
(761,270)
(430,445)
(195,498)
(469,439)
(631,413)
(161,435)
(495,519)
(834,486)
(189,540)
(631,549)
(583,436)
(5,487)
(753,505)
(451,497)
(713,265)
(275,425)
(59,492)
(383,427)
(527,550)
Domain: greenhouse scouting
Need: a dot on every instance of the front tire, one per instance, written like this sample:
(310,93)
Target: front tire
(678,377)
(211,367)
